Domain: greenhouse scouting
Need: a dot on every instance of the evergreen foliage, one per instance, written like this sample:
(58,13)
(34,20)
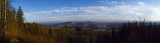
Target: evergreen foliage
(19,32)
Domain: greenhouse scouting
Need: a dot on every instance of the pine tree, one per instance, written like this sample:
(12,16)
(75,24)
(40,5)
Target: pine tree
(19,18)
(14,13)
(5,17)
(114,36)
(0,9)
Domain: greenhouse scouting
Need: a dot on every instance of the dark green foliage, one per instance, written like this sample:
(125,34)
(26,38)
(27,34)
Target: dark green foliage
(19,18)
(138,32)
(20,32)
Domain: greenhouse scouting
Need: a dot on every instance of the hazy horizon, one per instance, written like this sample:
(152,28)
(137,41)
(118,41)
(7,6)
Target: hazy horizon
(79,21)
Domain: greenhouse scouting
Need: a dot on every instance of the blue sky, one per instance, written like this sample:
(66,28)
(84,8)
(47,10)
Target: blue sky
(88,10)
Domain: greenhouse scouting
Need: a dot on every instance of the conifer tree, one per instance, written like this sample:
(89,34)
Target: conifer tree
(19,18)
(114,38)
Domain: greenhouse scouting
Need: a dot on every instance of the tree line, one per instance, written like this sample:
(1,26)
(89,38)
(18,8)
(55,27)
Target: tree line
(14,30)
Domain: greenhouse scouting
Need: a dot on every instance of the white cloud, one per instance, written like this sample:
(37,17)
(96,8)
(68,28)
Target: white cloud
(114,2)
(103,1)
(141,3)
(102,13)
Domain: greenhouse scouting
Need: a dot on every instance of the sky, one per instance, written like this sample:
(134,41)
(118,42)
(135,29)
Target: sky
(89,10)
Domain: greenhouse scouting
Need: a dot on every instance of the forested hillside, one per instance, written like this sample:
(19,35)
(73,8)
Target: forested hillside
(14,30)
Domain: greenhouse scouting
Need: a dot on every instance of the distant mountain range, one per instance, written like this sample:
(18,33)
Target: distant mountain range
(86,25)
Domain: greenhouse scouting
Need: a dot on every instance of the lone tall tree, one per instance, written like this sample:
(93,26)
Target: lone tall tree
(19,18)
